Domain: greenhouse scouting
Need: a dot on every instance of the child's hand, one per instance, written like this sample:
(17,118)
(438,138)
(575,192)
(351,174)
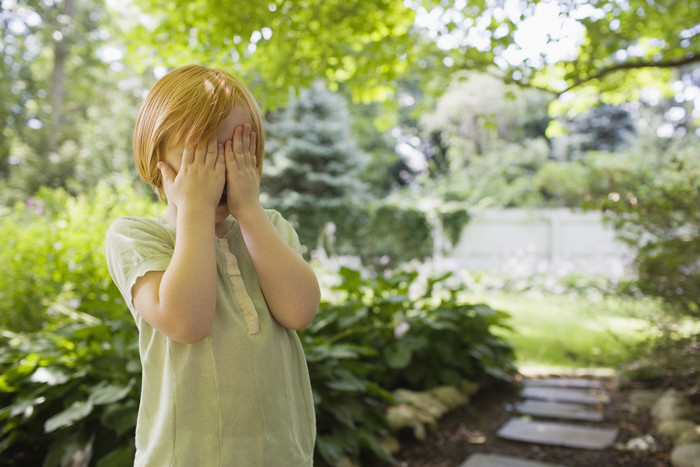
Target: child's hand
(242,178)
(200,181)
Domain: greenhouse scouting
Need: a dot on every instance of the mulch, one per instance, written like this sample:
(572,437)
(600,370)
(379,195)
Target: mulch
(472,429)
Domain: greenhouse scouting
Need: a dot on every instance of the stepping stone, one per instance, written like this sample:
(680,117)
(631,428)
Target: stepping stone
(558,434)
(494,460)
(564,383)
(581,396)
(564,410)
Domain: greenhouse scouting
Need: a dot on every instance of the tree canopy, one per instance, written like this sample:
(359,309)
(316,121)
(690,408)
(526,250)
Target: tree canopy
(369,46)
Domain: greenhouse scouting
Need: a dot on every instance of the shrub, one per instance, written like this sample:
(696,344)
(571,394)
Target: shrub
(53,246)
(380,233)
(69,388)
(652,204)
(69,364)
(395,330)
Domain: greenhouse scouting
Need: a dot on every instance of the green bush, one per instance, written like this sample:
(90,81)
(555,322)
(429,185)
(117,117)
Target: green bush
(562,183)
(424,333)
(394,330)
(68,388)
(652,202)
(53,250)
(69,364)
(379,233)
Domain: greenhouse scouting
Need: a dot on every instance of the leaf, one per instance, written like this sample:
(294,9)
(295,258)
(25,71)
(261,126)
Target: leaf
(331,448)
(76,412)
(100,332)
(105,393)
(12,376)
(349,383)
(64,445)
(397,356)
(123,456)
(120,418)
(25,406)
(50,375)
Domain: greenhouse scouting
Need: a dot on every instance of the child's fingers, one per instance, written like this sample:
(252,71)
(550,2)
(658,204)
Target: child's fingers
(220,154)
(229,158)
(245,139)
(212,152)
(187,156)
(253,147)
(200,152)
(237,141)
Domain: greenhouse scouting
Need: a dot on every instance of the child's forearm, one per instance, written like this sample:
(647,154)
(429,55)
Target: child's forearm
(288,283)
(187,291)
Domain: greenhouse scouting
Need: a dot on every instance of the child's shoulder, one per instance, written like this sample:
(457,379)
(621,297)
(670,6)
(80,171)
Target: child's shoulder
(133,226)
(277,219)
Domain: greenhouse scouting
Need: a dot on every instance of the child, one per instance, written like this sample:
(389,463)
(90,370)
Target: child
(216,287)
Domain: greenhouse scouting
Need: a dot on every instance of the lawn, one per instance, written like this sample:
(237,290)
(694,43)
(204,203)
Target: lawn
(573,332)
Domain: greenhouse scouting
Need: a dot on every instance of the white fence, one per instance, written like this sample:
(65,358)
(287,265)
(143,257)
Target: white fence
(558,241)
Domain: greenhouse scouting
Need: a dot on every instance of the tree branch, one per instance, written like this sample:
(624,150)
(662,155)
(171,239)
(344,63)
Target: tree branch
(672,63)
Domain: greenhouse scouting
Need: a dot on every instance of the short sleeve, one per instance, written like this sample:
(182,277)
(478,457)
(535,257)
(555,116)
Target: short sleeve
(286,231)
(135,246)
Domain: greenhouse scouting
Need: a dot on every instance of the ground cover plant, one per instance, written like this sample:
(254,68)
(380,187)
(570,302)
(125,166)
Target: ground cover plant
(69,364)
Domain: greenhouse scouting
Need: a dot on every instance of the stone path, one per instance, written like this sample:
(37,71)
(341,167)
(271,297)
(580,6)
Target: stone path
(569,401)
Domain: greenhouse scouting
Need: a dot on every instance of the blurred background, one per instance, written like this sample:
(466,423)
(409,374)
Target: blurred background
(531,164)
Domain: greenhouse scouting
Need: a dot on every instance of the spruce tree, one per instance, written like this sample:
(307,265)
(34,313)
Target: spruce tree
(313,169)
(313,159)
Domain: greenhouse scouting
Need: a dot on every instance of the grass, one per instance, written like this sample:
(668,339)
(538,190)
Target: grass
(573,332)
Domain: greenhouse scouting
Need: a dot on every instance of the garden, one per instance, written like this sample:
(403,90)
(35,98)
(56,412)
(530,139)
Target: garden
(390,126)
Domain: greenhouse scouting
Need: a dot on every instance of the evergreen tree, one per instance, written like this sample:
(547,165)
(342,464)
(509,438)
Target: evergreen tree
(312,174)
(603,128)
(314,160)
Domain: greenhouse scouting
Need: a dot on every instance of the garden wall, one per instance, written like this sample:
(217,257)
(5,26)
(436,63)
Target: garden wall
(522,241)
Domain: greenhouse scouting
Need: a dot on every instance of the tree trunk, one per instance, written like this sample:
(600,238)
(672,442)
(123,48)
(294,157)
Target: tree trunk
(58,76)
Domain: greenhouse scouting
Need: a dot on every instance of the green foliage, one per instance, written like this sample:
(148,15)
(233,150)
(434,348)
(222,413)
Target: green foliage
(424,333)
(501,177)
(277,46)
(602,128)
(381,233)
(369,46)
(652,204)
(53,253)
(68,116)
(69,366)
(67,388)
(313,155)
(562,183)
(478,112)
(348,403)
(395,330)
(453,219)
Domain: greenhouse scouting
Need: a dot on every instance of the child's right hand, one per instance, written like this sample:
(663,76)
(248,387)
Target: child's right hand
(199,182)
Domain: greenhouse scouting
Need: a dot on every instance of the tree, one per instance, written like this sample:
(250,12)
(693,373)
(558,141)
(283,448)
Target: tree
(370,45)
(68,113)
(602,128)
(280,45)
(651,200)
(316,159)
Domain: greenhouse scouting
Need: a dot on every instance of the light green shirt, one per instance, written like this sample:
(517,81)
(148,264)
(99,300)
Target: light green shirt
(240,397)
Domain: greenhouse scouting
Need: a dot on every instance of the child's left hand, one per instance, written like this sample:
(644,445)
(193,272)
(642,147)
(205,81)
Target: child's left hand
(242,177)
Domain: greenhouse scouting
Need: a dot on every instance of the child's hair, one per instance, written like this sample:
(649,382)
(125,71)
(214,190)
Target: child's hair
(188,105)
